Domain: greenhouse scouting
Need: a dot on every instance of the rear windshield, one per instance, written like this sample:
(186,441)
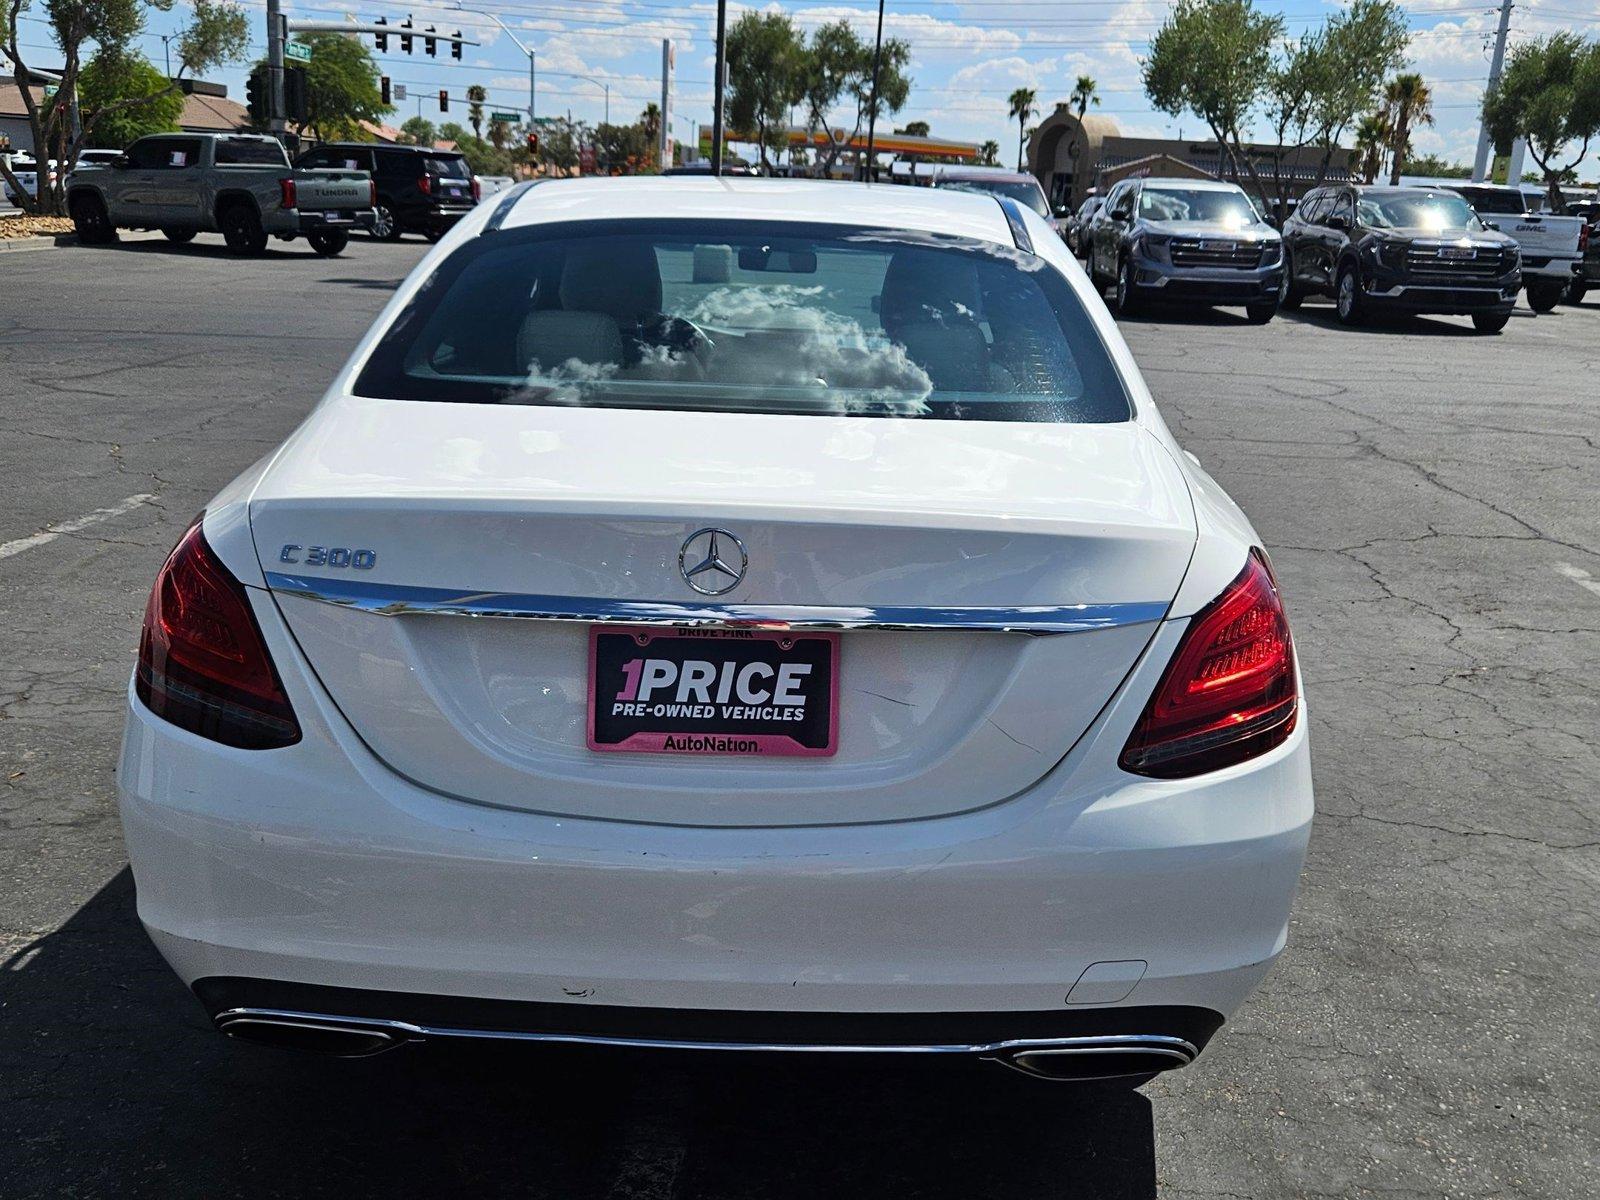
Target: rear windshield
(1024,191)
(1434,212)
(1493,200)
(252,154)
(1196,204)
(749,317)
(448,168)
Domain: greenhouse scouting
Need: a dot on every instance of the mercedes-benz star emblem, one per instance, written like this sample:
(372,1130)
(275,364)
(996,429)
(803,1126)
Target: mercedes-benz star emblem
(712,561)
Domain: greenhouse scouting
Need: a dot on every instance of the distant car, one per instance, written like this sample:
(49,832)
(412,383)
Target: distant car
(27,172)
(1194,241)
(1399,250)
(97,158)
(1588,275)
(420,190)
(703,168)
(239,185)
(1078,222)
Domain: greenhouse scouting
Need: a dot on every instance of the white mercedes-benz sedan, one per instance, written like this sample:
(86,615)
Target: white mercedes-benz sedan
(726,614)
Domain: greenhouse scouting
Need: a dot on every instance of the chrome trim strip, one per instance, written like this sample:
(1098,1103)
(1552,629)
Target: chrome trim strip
(506,203)
(1019,231)
(1142,1043)
(394,600)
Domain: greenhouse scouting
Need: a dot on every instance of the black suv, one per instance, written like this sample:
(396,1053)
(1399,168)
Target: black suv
(1397,249)
(420,190)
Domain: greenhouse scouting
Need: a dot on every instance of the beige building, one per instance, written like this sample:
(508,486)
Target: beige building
(1072,156)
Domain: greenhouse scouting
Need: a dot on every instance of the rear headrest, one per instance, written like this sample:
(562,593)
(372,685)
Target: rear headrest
(928,285)
(619,278)
(551,338)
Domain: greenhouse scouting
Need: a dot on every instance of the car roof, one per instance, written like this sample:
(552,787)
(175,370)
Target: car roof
(644,197)
(979,174)
(429,150)
(1198,185)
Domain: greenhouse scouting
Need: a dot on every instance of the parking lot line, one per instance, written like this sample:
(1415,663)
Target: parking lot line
(51,532)
(1580,577)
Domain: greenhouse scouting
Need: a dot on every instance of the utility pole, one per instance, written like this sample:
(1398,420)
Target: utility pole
(276,123)
(717,84)
(1484,161)
(872,113)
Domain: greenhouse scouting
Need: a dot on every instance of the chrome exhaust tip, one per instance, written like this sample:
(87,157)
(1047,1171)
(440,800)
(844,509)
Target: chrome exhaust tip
(1111,1057)
(333,1036)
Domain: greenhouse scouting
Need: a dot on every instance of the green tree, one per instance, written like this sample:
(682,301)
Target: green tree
(1410,102)
(623,149)
(1550,95)
(1022,101)
(766,61)
(418,131)
(342,87)
(1085,93)
(499,134)
(915,129)
(109,78)
(1214,58)
(650,122)
(837,69)
(215,33)
(476,95)
(1435,167)
(989,154)
(560,142)
(1372,139)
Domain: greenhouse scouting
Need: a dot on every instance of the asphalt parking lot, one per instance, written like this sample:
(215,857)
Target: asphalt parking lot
(1429,500)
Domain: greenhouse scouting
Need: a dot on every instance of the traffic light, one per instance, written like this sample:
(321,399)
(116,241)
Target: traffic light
(444,101)
(388,92)
(455,48)
(382,38)
(405,38)
(294,94)
(257,97)
(431,46)
(533,142)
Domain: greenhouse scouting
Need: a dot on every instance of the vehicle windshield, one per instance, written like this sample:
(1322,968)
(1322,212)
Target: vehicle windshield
(246,153)
(1434,212)
(1024,191)
(1197,204)
(448,168)
(745,316)
(1492,200)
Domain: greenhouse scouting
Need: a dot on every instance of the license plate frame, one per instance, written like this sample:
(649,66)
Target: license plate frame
(669,727)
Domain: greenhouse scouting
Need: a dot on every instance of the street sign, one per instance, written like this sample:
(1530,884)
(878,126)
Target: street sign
(509,118)
(297,51)
(545,120)
(50,89)
(399,91)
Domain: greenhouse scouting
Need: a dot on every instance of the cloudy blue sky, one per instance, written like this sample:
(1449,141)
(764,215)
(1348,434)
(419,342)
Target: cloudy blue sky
(967,54)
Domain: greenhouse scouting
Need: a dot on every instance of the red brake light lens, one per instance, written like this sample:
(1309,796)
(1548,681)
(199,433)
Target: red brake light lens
(291,198)
(477,189)
(202,662)
(1229,693)
(426,184)
(372,193)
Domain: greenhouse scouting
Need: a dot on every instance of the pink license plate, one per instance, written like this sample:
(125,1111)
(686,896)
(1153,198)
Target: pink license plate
(740,692)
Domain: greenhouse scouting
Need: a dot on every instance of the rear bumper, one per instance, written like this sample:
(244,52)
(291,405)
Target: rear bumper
(317,865)
(321,222)
(438,219)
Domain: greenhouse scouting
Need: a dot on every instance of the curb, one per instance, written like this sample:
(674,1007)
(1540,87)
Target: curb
(55,241)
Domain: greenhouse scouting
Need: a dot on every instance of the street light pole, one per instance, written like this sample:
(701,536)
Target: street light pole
(1483,162)
(533,71)
(275,121)
(716,88)
(872,113)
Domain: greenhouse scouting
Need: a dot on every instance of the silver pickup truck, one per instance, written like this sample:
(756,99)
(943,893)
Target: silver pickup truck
(239,185)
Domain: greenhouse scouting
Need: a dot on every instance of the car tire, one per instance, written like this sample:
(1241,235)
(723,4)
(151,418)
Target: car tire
(91,221)
(241,229)
(1347,296)
(1290,295)
(1576,291)
(1260,314)
(328,242)
(1490,322)
(1545,294)
(385,225)
(1129,302)
(178,237)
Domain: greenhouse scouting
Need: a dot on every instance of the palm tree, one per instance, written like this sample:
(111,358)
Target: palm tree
(476,95)
(1022,108)
(1372,138)
(650,122)
(989,154)
(1410,103)
(1085,93)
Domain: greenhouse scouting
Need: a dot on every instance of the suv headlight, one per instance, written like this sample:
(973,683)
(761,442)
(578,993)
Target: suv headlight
(1271,252)
(1152,245)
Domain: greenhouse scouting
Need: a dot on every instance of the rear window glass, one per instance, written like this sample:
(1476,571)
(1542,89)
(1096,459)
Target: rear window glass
(1024,191)
(750,317)
(1493,200)
(449,168)
(250,154)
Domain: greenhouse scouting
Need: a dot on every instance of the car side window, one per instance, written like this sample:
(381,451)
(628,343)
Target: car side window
(145,155)
(1345,206)
(1310,210)
(392,166)
(177,153)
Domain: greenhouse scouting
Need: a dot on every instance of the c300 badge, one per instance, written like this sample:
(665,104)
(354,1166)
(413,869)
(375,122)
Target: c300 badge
(338,557)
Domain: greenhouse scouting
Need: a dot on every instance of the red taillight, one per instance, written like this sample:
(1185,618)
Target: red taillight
(426,184)
(372,193)
(1229,692)
(1583,238)
(202,662)
(477,190)
(290,198)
